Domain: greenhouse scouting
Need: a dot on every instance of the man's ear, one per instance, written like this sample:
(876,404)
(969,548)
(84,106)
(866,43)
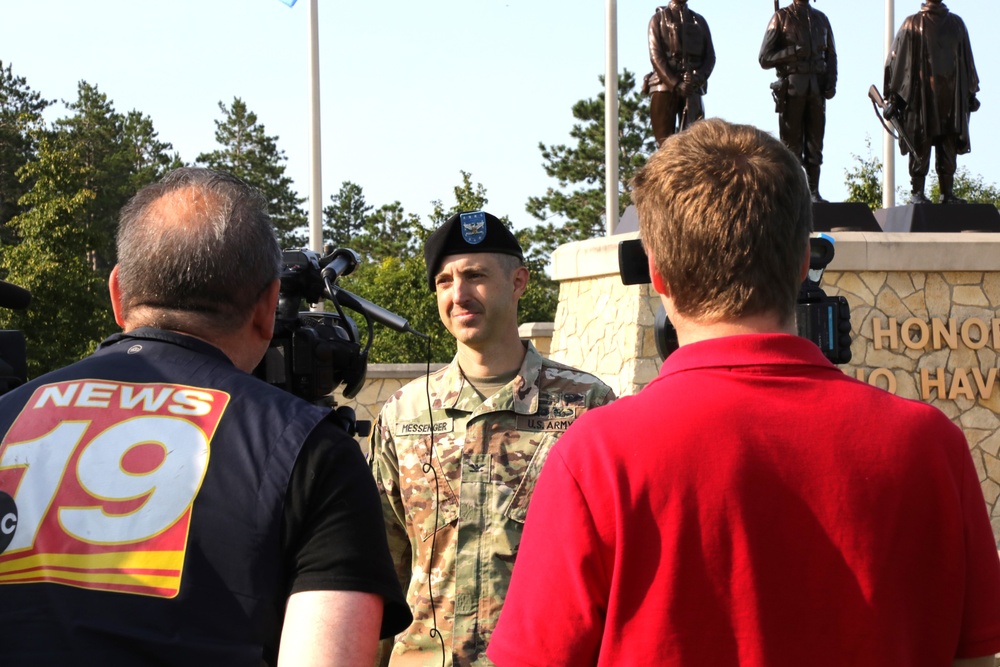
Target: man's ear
(521,278)
(116,297)
(262,320)
(659,284)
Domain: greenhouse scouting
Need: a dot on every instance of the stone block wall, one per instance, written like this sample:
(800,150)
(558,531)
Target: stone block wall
(934,337)
(602,326)
(923,312)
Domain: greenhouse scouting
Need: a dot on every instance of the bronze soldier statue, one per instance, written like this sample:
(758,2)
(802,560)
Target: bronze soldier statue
(683,57)
(799,44)
(930,86)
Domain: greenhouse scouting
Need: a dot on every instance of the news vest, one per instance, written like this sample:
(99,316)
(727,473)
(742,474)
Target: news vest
(142,496)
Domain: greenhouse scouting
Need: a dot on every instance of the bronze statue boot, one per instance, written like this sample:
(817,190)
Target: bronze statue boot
(812,175)
(947,191)
(917,191)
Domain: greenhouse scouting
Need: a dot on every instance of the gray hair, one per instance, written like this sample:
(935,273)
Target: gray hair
(207,270)
(508,262)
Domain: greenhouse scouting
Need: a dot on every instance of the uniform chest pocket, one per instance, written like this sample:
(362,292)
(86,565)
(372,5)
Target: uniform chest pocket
(427,485)
(517,508)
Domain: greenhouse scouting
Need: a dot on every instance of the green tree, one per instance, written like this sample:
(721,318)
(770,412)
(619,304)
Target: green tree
(149,157)
(345,218)
(970,187)
(864,184)
(469,196)
(393,275)
(112,156)
(248,152)
(392,232)
(864,179)
(575,210)
(20,117)
(399,284)
(88,165)
(375,234)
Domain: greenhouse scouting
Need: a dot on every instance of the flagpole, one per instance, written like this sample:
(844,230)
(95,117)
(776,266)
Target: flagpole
(315,158)
(611,119)
(888,143)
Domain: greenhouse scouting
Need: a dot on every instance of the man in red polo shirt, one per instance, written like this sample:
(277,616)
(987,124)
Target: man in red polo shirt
(753,505)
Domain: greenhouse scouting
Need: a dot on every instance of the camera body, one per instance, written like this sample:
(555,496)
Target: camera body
(313,353)
(823,319)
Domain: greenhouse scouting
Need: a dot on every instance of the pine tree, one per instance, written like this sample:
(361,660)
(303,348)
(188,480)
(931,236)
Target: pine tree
(20,116)
(576,209)
(87,166)
(345,218)
(248,152)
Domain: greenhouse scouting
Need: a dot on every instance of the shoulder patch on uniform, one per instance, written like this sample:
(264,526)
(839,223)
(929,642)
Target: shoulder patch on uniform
(424,428)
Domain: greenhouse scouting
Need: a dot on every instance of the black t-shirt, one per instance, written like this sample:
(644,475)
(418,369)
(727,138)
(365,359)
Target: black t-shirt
(334,534)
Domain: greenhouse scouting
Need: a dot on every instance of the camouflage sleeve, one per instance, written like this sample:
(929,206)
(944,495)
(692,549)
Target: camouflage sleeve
(385,469)
(600,394)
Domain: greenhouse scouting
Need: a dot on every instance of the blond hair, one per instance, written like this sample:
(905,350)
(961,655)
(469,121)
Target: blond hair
(725,213)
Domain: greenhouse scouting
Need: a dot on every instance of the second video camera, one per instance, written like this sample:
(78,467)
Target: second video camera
(823,319)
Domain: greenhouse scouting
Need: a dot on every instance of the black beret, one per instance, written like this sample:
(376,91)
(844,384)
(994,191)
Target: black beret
(465,233)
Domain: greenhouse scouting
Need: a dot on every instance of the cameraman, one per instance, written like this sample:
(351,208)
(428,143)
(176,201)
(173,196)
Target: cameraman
(167,507)
(753,505)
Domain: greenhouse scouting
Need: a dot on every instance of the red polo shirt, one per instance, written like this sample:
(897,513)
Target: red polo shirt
(755,506)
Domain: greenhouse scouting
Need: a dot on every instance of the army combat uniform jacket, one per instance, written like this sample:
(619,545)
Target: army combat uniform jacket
(454,513)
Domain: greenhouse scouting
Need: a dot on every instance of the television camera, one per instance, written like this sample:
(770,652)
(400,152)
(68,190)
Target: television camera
(313,353)
(823,319)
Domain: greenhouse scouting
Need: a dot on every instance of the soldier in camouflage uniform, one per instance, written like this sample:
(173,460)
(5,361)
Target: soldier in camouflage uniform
(454,509)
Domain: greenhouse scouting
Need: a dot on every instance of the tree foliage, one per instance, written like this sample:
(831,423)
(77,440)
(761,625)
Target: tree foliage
(864,179)
(375,234)
(248,152)
(575,210)
(469,196)
(864,184)
(971,187)
(399,284)
(345,219)
(85,167)
(20,117)
(394,274)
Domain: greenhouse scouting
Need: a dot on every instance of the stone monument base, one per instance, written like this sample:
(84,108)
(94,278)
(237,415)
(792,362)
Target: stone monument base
(940,218)
(843,217)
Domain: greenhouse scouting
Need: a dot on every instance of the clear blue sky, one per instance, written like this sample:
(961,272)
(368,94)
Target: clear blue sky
(414,92)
